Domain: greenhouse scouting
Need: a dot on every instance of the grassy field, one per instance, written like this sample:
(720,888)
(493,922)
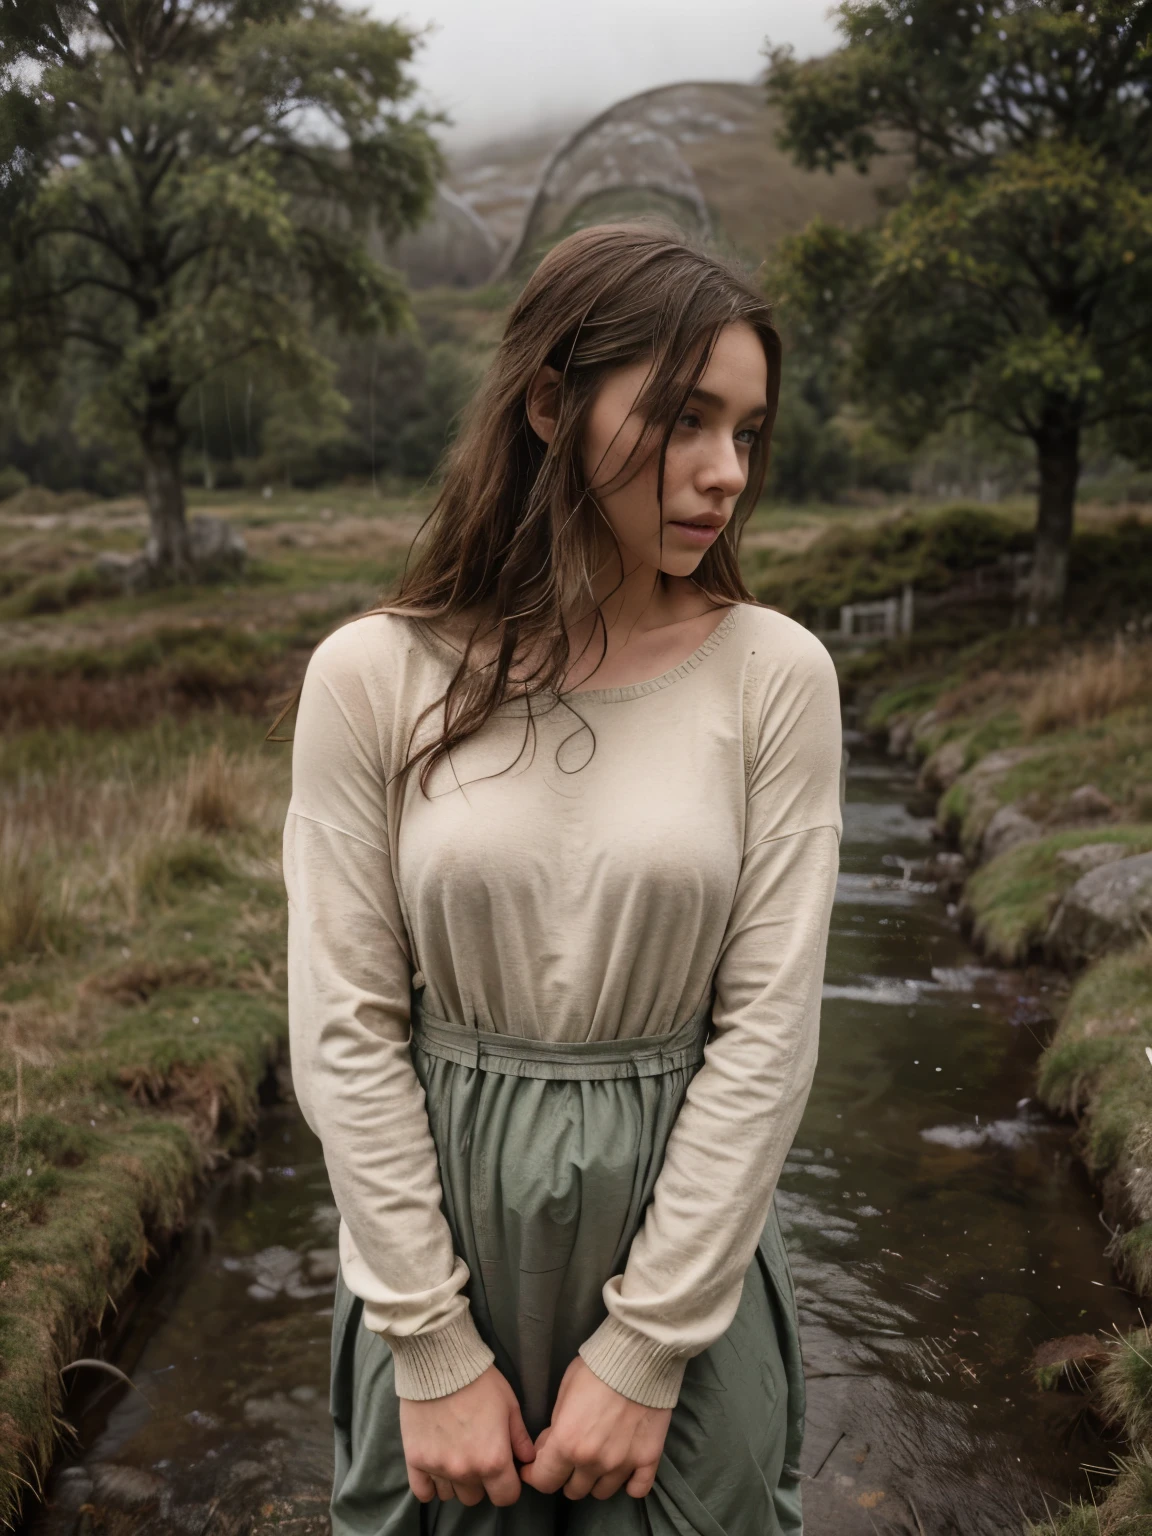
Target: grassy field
(142,917)
(142,920)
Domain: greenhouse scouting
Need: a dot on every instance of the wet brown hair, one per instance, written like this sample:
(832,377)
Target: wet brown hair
(512,542)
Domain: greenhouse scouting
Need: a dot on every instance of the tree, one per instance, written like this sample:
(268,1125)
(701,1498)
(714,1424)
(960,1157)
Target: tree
(193,181)
(1013,280)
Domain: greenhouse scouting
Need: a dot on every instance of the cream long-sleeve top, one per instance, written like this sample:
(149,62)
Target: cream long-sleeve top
(669,837)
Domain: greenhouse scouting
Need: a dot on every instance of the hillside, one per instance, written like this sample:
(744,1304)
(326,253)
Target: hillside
(704,153)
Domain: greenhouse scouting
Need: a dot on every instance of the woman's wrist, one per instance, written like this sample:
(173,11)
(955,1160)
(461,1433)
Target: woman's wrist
(429,1365)
(634,1365)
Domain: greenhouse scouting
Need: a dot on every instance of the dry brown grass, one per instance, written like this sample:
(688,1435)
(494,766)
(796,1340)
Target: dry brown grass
(80,850)
(218,791)
(1079,689)
(993,688)
(1074,689)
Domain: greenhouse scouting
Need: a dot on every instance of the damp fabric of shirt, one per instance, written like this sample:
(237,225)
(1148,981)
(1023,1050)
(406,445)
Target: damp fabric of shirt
(655,844)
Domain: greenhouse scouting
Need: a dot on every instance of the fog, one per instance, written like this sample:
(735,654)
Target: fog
(499,66)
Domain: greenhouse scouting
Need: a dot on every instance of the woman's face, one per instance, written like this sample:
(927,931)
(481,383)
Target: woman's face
(706,466)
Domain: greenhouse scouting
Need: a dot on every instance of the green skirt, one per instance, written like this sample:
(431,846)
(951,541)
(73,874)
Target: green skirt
(548,1157)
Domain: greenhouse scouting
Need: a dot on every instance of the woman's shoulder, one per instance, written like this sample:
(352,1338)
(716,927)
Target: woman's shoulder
(370,646)
(781,644)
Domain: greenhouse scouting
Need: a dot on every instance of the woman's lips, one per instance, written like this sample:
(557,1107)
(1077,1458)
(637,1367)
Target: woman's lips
(697,533)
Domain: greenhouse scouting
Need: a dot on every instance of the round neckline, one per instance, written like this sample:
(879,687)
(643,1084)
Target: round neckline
(627,690)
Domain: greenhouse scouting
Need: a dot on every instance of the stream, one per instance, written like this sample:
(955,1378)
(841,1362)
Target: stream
(938,1225)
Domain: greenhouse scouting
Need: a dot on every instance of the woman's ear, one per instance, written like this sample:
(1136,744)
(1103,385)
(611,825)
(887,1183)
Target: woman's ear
(543,402)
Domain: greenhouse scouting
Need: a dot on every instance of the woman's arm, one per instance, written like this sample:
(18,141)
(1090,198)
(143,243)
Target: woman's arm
(349,973)
(683,1278)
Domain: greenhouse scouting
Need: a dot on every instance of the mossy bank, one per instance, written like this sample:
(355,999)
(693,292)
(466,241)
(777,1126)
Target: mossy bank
(142,1013)
(1039,748)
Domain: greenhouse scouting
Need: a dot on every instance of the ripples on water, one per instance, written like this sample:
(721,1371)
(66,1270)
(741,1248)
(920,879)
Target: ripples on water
(939,1230)
(938,1226)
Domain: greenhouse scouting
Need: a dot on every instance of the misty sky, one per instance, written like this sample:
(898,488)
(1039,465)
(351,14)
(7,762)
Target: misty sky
(500,65)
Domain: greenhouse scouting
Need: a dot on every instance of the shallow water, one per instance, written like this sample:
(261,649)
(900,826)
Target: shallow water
(938,1225)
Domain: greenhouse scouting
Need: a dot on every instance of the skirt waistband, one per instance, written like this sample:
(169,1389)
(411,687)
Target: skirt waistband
(643,1056)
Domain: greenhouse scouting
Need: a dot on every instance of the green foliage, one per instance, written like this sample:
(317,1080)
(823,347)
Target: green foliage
(170,872)
(1110,577)
(811,457)
(850,564)
(57,592)
(1014,279)
(11,481)
(209,177)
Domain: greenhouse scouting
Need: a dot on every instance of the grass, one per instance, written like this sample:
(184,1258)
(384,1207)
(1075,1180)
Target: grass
(1125,1510)
(1028,717)
(1096,1069)
(141,1009)
(1113,755)
(1081,689)
(142,983)
(1011,899)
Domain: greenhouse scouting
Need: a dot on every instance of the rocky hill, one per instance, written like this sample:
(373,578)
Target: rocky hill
(703,153)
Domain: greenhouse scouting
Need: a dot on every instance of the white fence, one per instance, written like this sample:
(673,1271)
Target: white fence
(893,617)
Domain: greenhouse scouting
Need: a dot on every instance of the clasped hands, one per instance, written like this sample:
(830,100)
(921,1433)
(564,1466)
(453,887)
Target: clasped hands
(466,1445)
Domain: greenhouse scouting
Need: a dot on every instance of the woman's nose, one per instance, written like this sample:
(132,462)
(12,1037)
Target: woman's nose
(724,470)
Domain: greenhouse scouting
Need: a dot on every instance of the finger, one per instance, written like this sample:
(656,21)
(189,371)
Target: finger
(640,1483)
(523,1447)
(469,1493)
(421,1485)
(443,1489)
(503,1489)
(580,1484)
(550,1471)
(612,1482)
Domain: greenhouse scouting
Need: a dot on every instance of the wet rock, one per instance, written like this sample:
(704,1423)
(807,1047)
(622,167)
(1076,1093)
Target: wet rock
(303,1515)
(128,572)
(216,548)
(923,723)
(950,864)
(217,551)
(1086,804)
(1072,1359)
(71,1489)
(126,1487)
(1107,908)
(983,795)
(243,1474)
(279,1269)
(1008,828)
(323,1264)
(899,736)
(947,871)
(941,770)
(1092,855)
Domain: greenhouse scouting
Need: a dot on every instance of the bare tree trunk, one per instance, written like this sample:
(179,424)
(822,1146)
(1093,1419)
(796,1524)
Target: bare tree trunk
(169,554)
(1058,452)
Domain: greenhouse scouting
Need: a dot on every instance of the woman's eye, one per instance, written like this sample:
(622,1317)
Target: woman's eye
(689,419)
(749,436)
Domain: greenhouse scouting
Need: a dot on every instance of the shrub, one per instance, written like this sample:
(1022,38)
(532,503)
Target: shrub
(11,481)
(172,870)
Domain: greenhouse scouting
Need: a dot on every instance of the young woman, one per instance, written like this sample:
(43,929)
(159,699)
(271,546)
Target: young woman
(560,858)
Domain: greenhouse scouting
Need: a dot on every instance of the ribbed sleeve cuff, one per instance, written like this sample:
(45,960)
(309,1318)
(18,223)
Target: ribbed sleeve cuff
(434,1364)
(634,1365)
